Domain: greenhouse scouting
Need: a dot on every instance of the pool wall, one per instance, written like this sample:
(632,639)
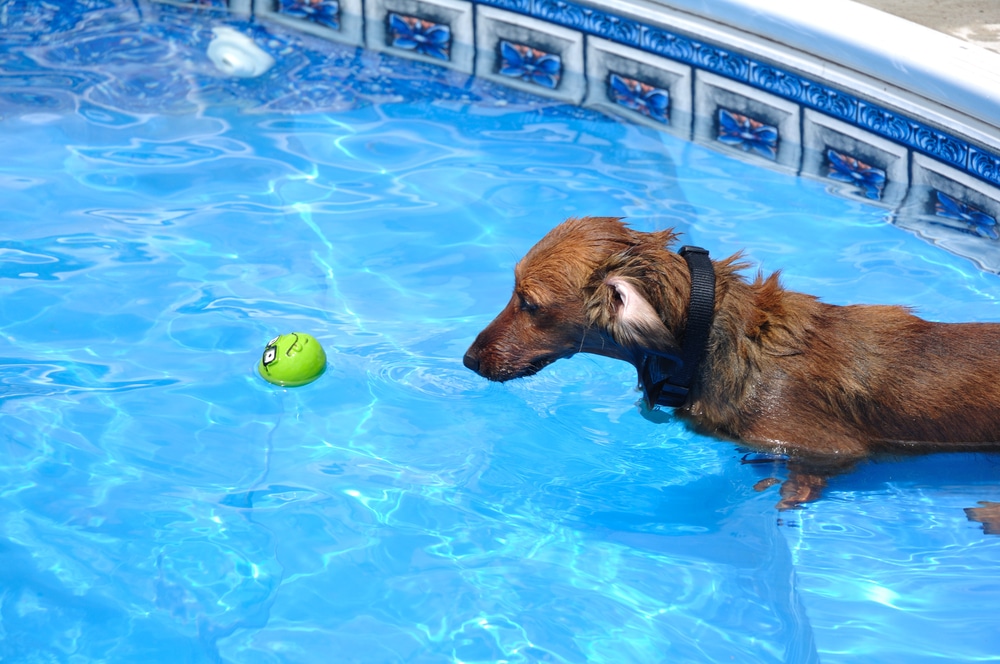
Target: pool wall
(878,108)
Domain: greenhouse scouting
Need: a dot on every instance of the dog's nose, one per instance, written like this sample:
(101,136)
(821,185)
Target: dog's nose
(471,362)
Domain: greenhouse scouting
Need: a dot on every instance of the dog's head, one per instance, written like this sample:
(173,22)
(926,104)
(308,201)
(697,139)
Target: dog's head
(591,285)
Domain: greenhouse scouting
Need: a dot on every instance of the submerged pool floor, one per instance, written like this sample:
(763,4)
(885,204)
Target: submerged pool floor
(159,502)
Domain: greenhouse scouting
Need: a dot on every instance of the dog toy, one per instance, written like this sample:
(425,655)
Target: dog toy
(292,359)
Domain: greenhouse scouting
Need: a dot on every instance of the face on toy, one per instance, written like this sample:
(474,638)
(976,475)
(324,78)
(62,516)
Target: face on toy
(270,353)
(292,359)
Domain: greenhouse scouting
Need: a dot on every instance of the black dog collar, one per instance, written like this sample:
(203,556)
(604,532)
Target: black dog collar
(669,385)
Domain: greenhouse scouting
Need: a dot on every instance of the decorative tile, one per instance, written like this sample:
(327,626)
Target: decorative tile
(694,52)
(639,96)
(198,4)
(867,180)
(437,31)
(420,36)
(914,134)
(964,217)
(747,134)
(984,165)
(529,54)
(519,6)
(668,44)
(808,93)
(644,88)
(954,210)
(721,61)
(325,13)
(529,64)
(856,163)
(589,19)
(336,20)
(747,122)
(210,4)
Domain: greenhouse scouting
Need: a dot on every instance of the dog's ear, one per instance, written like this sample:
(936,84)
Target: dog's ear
(634,313)
(619,305)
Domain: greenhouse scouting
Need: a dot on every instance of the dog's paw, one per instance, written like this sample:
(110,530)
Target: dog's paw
(799,489)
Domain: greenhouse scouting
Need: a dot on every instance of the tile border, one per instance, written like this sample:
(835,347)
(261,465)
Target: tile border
(684,66)
(350,24)
(537,43)
(822,133)
(675,80)
(452,16)
(747,123)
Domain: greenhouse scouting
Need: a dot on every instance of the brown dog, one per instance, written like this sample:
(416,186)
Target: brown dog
(780,371)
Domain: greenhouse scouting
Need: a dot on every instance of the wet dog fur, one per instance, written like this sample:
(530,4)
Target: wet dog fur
(783,372)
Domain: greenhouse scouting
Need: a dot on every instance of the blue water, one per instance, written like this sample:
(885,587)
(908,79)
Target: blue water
(159,502)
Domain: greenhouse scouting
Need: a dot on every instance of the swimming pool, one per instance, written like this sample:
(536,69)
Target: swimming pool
(163,503)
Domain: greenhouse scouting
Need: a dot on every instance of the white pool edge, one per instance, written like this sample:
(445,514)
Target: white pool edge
(955,74)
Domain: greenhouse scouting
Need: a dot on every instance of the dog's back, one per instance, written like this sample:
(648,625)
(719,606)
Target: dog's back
(860,378)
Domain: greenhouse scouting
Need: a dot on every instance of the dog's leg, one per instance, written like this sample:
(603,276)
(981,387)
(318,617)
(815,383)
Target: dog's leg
(988,515)
(800,488)
(806,481)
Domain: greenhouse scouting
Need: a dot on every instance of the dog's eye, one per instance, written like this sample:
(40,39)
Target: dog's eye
(528,306)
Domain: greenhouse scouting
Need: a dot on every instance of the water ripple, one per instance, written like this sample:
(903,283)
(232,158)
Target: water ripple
(151,154)
(20,378)
(270,498)
(108,51)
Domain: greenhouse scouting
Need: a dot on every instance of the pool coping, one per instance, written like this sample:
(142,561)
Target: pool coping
(872,43)
(863,101)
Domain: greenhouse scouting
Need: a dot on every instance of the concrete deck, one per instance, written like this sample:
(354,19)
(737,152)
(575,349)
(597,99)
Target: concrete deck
(974,21)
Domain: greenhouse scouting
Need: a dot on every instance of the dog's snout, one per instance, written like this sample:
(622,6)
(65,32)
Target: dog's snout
(471,361)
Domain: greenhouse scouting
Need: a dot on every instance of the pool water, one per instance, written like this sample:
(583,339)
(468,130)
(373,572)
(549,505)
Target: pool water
(160,502)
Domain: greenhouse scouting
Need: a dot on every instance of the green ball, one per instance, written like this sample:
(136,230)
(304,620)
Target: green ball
(292,360)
